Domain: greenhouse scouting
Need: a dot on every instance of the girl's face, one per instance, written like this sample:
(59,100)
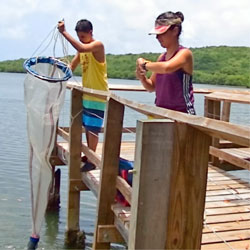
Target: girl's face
(167,38)
(85,37)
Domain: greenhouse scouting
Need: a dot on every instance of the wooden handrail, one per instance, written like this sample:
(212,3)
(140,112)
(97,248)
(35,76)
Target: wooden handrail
(127,87)
(223,130)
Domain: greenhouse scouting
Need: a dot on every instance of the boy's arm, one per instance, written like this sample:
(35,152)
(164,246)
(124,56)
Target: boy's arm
(82,47)
(75,61)
(96,47)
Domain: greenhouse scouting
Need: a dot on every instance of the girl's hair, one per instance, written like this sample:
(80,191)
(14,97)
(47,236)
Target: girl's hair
(83,25)
(171,18)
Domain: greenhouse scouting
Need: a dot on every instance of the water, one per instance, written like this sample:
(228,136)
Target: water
(15,211)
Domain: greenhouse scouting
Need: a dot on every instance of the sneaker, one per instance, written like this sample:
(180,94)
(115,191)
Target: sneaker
(84,158)
(88,166)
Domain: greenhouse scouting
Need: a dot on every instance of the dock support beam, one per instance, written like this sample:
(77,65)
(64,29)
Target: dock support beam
(73,236)
(212,109)
(110,161)
(169,186)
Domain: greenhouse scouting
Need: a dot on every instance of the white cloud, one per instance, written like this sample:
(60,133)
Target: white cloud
(123,25)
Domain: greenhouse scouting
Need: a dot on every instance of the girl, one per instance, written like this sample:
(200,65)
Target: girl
(171,77)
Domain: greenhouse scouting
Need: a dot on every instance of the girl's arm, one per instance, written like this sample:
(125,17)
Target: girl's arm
(148,83)
(182,60)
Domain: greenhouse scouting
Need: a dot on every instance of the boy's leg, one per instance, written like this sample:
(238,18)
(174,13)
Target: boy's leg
(92,121)
(92,141)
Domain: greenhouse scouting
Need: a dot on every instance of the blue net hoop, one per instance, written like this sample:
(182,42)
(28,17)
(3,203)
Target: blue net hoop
(31,63)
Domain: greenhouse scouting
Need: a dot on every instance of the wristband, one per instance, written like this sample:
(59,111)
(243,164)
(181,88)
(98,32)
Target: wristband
(144,66)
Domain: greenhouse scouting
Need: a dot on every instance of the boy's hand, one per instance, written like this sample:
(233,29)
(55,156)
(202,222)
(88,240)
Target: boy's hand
(61,26)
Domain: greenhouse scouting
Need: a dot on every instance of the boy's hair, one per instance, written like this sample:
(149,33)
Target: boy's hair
(83,25)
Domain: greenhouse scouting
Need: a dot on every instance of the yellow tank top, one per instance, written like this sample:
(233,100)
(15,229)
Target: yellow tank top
(94,75)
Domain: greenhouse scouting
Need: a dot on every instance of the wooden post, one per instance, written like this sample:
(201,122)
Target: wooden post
(169,186)
(109,169)
(75,141)
(212,110)
(226,111)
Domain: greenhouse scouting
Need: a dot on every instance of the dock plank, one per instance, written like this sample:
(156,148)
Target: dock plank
(234,245)
(226,226)
(236,235)
(227,208)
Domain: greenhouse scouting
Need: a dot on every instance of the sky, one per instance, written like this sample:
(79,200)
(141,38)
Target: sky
(28,27)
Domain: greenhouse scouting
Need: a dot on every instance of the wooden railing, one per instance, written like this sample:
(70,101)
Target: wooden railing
(170,172)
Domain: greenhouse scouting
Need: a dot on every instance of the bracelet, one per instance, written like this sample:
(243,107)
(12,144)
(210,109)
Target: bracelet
(144,66)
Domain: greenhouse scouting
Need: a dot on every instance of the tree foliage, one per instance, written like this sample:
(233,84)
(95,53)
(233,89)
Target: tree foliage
(221,65)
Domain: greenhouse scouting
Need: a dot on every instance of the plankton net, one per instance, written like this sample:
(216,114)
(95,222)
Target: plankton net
(44,91)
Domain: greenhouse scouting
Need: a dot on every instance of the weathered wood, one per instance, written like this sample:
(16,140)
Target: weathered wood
(164,161)
(226,203)
(212,110)
(147,228)
(226,236)
(228,191)
(228,210)
(109,233)
(54,195)
(228,144)
(92,180)
(65,130)
(187,188)
(229,197)
(109,169)
(91,155)
(63,152)
(121,228)
(224,130)
(123,87)
(233,186)
(124,188)
(74,161)
(225,116)
(226,226)
(235,133)
(229,97)
(234,156)
(77,185)
(235,245)
(92,92)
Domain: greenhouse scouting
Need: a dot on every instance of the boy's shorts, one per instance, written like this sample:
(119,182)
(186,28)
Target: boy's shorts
(93,115)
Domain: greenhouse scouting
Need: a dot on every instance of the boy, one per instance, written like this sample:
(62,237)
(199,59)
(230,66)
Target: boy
(91,55)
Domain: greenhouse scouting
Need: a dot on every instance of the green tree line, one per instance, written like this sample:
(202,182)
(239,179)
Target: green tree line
(221,65)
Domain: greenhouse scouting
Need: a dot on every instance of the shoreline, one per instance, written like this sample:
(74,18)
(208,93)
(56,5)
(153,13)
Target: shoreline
(112,78)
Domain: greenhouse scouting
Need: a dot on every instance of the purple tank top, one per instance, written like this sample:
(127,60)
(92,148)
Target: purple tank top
(175,90)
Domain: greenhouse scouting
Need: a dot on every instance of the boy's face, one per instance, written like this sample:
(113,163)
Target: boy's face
(85,37)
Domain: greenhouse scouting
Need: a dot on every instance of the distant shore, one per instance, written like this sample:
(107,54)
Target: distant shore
(221,65)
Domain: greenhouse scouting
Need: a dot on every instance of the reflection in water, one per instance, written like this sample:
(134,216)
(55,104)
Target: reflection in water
(51,226)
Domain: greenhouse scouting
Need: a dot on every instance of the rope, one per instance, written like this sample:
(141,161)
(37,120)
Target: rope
(54,34)
(214,231)
(45,39)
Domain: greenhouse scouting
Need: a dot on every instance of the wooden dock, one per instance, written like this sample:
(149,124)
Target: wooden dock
(178,200)
(227,209)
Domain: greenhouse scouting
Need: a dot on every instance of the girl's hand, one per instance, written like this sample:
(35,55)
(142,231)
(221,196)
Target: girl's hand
(140,71)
